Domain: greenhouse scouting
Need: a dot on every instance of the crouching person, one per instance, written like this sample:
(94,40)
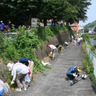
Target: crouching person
(21,70)
(73,73)
(28,62)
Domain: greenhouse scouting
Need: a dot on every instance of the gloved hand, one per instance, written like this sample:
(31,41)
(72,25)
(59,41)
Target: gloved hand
(12,82)
(74,75)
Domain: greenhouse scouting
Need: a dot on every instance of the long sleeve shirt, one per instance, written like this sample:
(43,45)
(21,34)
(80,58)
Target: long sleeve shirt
(70,71)
(19,68)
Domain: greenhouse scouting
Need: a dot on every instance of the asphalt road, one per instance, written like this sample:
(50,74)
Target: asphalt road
(53,81)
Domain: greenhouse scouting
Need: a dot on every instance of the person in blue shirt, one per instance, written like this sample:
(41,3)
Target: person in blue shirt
(28,62)
(2,26)
(25,61)
(73,72)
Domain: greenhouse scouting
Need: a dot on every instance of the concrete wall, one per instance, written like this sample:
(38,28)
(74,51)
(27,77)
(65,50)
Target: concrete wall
(44,51)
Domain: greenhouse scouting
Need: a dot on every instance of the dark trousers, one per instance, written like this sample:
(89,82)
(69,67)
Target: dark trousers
(71,77)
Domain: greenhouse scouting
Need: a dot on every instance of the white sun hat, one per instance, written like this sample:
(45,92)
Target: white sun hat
(10,66)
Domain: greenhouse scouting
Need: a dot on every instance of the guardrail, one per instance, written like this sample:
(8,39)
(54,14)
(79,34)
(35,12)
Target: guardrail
(11,34)
(92,57)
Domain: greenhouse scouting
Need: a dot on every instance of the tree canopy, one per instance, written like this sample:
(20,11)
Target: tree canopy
(21,11)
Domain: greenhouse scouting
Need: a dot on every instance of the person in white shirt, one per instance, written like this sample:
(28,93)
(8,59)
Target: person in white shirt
(53,50)
(20,69)
(74,41)
(65,43)
(79,40)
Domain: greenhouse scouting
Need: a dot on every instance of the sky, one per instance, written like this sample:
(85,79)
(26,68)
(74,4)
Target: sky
(91,14)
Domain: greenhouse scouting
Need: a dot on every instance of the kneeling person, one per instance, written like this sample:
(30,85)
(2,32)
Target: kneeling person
(72,73)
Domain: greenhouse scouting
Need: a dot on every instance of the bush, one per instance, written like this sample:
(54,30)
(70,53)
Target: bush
(87,65)
(86,37)
(24,44)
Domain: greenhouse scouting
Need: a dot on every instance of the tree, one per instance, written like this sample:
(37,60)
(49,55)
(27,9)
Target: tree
(86,30)
(21,11)
(81,9)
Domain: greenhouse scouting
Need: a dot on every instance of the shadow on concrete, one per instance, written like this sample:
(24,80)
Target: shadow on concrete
(93,87)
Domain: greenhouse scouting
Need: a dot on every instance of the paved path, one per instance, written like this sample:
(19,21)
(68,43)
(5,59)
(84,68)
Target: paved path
(53,83)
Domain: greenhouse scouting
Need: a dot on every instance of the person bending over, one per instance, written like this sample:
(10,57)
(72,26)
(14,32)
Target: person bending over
(18,71)
(28,62)
(53,50)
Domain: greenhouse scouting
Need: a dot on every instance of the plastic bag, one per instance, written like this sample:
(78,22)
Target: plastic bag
(27,78)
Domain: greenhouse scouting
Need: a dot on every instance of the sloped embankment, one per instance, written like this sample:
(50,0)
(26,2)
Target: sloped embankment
(41,52)
(58,39)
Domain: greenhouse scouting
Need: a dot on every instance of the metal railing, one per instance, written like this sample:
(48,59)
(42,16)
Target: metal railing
(92,57)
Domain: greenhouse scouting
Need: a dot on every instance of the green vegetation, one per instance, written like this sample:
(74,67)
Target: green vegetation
(86,30)
(87,64)
(86,37)
(26,41)
(24,45)
(68,10)
(90,25)
(95,29)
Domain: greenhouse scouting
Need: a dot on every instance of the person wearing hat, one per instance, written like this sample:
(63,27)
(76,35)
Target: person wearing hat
(20,69)
(72,73)
(53,50)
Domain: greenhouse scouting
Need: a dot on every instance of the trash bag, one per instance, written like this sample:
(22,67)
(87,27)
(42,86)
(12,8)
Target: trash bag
(27,78)
(4,86)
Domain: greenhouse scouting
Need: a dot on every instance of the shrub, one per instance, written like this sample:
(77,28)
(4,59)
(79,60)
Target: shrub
(24,44)
(87,65)
(86,37)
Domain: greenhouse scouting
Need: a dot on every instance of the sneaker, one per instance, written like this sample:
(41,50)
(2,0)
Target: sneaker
(18,89)
(71,83)
(25,88)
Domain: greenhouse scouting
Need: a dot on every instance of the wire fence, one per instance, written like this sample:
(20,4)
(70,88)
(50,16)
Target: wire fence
(92,57)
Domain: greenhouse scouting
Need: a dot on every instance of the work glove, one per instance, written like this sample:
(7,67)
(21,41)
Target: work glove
(12,82)
(74,75)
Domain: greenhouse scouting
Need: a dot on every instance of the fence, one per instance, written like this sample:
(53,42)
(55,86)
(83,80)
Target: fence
(92,58)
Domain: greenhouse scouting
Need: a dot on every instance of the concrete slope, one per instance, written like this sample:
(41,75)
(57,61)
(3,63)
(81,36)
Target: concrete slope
(53,81)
